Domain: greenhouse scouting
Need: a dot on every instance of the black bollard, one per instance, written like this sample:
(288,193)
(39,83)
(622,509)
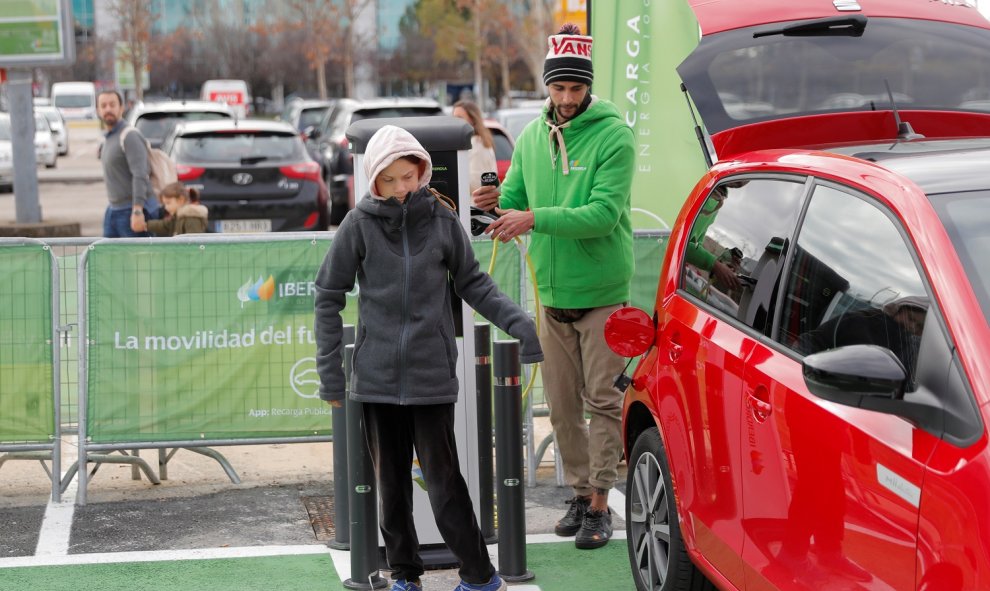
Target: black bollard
(341,508)
(483,387)
(509,464)
(363,501)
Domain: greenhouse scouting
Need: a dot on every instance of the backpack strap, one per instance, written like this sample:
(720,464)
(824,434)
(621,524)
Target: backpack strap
(443,199)
(123,135)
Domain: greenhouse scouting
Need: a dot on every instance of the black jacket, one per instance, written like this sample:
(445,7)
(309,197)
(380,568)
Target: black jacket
(401,255)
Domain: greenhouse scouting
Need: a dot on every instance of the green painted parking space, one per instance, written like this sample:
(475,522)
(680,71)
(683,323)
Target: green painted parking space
(557,566)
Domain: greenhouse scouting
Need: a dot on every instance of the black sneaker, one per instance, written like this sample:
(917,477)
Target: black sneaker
(571,523)
(595,531)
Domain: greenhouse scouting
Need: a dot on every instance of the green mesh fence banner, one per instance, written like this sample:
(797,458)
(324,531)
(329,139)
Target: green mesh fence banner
(27,391)
(507,267)
(211,341)
(215,341)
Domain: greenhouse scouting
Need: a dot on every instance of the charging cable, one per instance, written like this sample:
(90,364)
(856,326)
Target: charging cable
(536,294)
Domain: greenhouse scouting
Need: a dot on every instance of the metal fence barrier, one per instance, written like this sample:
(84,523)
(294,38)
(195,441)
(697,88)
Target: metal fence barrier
(29,356)
(194,342)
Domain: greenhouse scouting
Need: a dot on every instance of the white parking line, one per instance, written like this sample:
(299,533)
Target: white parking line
(163,555)
(53,537)
(617,502)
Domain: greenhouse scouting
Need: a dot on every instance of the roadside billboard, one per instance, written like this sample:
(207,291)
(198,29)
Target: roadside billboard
(36,33)
(123,69)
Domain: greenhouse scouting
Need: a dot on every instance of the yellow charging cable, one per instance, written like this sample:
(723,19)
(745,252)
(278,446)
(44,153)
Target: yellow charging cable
(536,297)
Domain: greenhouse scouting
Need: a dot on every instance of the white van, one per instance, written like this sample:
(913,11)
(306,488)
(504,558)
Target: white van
(75,100)
(233,93)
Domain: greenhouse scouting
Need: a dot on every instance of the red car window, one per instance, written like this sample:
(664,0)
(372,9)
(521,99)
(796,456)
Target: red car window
(737,245)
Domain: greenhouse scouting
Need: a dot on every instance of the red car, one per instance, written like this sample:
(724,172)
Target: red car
(811,407)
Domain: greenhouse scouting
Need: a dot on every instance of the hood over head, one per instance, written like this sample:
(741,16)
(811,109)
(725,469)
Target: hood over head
(387,145)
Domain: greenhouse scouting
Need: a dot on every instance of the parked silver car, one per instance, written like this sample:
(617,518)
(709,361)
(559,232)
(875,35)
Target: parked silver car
(156,119)
(59,128)
(45,144)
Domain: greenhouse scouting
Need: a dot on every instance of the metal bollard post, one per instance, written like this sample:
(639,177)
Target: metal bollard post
(483,387)
(509,464)
(341,508)
(363,501)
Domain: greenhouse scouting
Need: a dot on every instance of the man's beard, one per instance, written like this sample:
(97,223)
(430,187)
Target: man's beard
(561,118)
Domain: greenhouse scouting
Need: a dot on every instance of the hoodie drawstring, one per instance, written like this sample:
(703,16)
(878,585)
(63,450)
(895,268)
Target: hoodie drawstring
(555,132)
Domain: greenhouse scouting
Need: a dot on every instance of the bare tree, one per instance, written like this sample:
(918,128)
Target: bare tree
(135,19)
(317,25)
(530,34)
(414,58)
(352,11)
(461,28)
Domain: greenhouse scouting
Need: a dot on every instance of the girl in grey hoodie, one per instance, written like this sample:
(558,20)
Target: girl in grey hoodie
(401,244)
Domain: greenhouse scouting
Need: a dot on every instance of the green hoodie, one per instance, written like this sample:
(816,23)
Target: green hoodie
(581,243)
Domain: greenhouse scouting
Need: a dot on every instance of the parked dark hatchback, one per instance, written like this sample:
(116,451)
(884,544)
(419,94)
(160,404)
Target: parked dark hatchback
(253,175)
(329,146)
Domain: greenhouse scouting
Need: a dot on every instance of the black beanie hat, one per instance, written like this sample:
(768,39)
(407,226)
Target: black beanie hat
(569,57)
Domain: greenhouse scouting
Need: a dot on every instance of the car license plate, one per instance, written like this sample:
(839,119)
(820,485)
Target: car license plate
(243,226)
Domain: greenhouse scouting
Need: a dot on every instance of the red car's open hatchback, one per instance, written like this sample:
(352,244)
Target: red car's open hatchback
(811,406)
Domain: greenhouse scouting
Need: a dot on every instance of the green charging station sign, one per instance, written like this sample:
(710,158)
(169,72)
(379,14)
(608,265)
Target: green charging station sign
(36,33)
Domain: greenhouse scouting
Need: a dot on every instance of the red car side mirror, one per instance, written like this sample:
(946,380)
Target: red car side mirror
(629,332)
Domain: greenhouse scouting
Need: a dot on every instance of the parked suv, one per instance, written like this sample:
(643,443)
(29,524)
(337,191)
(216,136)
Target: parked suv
(156,120)
(304,114)
(812,403)
(329,146)
(253,175)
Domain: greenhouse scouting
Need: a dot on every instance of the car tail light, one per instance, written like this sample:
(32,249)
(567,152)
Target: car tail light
(188,173)
(312,220)
(309,171)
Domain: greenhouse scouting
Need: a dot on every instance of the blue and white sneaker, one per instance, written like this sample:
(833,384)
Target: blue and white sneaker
(404,585)
(496,584)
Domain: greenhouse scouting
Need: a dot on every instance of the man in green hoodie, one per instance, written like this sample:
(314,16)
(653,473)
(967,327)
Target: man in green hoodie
(569,183)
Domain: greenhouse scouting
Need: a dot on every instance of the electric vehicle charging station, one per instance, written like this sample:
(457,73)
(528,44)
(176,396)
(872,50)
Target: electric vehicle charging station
(448,140)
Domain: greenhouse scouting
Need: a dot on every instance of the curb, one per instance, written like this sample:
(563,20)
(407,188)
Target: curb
(73,179)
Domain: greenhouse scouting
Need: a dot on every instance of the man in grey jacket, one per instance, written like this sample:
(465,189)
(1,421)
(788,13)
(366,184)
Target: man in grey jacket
(125,171)
(401,243)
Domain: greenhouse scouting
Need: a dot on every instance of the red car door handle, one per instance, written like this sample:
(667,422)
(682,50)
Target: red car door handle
(759,402)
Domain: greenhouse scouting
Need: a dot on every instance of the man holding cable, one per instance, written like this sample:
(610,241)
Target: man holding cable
(569,183)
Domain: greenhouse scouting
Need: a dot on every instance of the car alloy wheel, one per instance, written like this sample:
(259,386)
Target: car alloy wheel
(657,554)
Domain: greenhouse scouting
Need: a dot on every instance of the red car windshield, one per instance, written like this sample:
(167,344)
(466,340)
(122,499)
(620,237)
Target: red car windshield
(760,73)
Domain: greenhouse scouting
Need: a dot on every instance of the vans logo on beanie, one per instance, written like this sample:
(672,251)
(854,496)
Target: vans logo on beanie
(569,57)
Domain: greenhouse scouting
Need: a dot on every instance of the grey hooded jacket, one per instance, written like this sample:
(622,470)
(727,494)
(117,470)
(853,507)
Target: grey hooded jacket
(402,254)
